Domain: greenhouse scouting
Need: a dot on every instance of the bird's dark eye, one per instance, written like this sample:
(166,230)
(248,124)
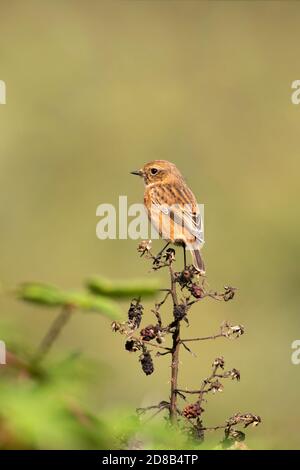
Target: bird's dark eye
(153,171)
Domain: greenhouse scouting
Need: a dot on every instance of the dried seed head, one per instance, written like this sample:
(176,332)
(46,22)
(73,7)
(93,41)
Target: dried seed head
(235,435)
(229,293)
(249,418)
(237,330)
(115,326)
(170,255)
(216,386)
(219,362)
(160,336)
(232,331)
(232,438)
(235,374)
(144,246)
(245,419)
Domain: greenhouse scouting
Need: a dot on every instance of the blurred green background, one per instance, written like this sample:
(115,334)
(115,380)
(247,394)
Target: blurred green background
(96,89)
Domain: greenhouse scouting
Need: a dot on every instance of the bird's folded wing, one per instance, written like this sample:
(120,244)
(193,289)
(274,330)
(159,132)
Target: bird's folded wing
(185,215)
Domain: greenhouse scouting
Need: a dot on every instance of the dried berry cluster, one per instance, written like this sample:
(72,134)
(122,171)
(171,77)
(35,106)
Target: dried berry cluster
(147,362)
(191,411)
(187,287)
(135,313)
(180,311)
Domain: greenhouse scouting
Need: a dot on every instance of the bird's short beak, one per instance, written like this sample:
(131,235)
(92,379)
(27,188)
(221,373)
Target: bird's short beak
(137,172)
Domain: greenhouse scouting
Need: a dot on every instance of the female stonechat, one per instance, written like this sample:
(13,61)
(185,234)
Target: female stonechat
(172,208)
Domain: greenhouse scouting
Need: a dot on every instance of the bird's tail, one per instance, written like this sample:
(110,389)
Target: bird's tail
(198,261)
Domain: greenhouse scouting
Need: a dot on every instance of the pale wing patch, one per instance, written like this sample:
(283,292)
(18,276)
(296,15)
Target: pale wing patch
(184,216)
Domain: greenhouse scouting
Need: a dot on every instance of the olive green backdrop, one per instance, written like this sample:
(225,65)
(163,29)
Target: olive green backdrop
(94,90)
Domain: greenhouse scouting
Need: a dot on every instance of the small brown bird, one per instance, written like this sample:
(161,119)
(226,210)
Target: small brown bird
(172,208)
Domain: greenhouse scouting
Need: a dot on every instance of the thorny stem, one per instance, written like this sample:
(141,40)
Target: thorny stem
(204,383)
(208,294)
(160,407)
(175,353)
(158,305)
(192,411)
(203,389)
(203,338)
(193,392)
(215,428)
(53,332)
(154,345)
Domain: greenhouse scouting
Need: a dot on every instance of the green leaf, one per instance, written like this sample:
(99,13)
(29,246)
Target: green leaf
(51,296)
(123,289)
(94,303)
(41,294)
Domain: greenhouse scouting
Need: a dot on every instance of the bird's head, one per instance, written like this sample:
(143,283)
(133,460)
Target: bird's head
(158,171)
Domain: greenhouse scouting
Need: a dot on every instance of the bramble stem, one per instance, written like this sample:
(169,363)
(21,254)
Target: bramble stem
(53,332)
(175,353)
(186,289)
(203,338)
(174,374)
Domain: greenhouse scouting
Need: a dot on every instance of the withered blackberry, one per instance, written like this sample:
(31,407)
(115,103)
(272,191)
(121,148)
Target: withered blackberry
(196,291)
(185,277)
(147,363)
(179,311)
(135,313)
(149,332)
(192,411)
(131,345)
